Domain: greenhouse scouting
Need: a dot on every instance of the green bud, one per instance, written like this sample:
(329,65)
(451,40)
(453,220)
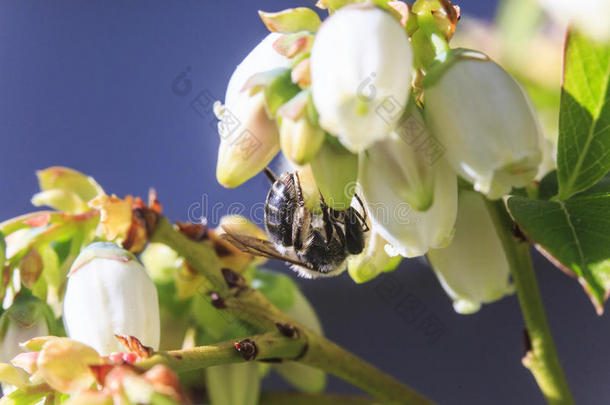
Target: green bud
(335,170)
(161,262)
(300,139)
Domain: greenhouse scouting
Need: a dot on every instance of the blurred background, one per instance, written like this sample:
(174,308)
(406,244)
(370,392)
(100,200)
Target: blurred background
(119,90)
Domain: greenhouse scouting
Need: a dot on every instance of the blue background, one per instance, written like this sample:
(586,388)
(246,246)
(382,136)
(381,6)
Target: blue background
(89,85)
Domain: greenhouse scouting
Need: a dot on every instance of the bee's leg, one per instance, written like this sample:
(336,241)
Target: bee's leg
(299,190)
(328,225)
(340,233)
(301,217)
(302,221)
(365,228)
(270,175)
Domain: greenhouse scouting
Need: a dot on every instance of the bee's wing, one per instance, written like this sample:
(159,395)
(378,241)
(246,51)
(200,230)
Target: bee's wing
(259,247)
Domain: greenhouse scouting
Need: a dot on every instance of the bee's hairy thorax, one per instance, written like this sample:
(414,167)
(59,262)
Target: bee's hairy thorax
(322,241)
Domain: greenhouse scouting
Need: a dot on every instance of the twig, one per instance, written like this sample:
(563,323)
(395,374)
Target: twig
(541,356)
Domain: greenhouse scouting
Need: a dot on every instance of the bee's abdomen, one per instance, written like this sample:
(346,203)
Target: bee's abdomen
(279,210)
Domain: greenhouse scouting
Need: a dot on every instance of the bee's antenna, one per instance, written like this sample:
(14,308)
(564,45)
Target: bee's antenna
(270,175)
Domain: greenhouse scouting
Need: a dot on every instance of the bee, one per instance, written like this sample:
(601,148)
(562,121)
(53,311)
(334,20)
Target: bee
(315,244)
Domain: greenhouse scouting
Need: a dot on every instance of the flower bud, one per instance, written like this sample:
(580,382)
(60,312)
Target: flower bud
(361,65)
(473,269)
(485,121)
(300,138)
(409,232)
(28,317)
(248,135)
(108,293)
(335,170)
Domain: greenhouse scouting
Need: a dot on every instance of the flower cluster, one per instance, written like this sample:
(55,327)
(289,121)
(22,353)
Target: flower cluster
(373,100)
(89,310)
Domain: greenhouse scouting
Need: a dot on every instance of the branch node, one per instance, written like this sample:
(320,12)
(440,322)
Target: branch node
(233,279)
(518,234)
(303,352)
(217,301)
(287,330)
(247,349)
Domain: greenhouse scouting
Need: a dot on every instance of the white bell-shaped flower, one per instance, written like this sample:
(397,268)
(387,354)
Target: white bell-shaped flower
(248,136)
(486,123)
(409,232)
(473,269)
(361,66)
(410,190)
(109,292)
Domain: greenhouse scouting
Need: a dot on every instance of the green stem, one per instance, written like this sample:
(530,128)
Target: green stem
(541,358)
(299,398)
(252,307)
(270,345)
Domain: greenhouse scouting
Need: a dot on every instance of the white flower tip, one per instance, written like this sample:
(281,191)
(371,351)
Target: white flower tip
(466,307)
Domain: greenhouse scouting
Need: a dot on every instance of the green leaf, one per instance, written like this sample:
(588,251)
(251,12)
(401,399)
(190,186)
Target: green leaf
(583,155)
(291,20)
(574,234)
